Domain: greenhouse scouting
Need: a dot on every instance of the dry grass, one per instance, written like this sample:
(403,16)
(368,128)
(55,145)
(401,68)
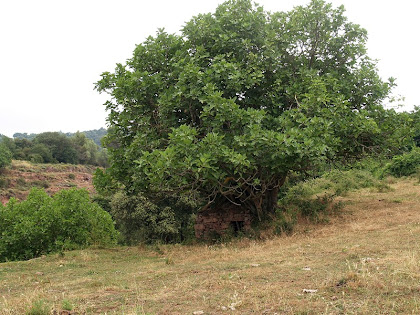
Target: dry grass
(364,261)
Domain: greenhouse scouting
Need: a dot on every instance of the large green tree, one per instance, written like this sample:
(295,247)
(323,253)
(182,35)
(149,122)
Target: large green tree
(59,145)
(223,111)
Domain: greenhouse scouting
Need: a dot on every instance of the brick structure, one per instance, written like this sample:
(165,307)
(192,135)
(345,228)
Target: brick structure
(218,220)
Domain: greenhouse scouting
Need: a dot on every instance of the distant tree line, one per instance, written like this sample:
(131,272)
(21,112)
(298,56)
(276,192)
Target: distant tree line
(54,147)
(96,135)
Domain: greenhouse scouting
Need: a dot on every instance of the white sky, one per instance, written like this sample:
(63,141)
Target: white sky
(52,52)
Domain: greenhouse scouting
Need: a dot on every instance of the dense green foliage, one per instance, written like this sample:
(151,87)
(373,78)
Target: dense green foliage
(162,217)
(59,145)
(5,155)
(56,147)
(415,116)
(242,97)
(141,220)
(404,165)
(42,224)
(96,135)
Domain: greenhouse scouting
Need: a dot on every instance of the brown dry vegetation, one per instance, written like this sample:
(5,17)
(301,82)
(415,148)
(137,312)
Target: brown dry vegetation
(17,180)
(366,260)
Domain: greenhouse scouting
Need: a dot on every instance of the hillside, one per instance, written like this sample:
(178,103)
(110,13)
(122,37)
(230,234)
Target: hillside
(365,260)
(17,180)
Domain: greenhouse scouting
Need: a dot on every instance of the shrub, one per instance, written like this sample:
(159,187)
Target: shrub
(140,219)
(315,198)
(40,183)
(35,158)
(345,181)
(39,307)
(43,224)
(404,165)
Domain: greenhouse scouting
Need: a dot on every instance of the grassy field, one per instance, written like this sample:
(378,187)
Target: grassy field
(365,260)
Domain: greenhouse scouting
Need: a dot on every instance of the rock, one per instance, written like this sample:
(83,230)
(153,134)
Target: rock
(311,291)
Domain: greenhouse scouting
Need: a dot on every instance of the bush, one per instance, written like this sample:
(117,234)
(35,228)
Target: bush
(43,224)
(404,165)
(139,219)
(315,198)
(39,307)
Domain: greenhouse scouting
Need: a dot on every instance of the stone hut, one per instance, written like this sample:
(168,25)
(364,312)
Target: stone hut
(218,220)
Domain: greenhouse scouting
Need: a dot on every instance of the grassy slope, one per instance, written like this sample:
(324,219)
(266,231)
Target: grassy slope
(365,261)
(21,176)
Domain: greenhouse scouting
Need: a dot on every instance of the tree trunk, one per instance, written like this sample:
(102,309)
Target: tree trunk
(266,203)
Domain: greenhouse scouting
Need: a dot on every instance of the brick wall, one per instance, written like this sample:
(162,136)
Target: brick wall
(219,220)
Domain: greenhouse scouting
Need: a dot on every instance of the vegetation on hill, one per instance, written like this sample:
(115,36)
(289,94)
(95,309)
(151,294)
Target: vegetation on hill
(5,156)
(55,147)
(95,134)
(21,176)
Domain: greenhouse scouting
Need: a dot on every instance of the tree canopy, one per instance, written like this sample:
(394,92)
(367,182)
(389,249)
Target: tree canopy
(5,155)
(223,111)
(57,147)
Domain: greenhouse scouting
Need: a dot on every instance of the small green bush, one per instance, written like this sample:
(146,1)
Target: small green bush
(404,165)
(40,183)
(42,224)
(66,305)
(139,219)
(39,307)
(285,222)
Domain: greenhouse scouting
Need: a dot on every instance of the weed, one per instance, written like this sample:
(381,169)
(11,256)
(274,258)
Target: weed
(284,224)
(39,307)
(71,176)
(40,183)
(169,260)
(67,305)
(382,187)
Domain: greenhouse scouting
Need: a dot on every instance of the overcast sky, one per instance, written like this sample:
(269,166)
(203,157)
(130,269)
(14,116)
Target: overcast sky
(53,51)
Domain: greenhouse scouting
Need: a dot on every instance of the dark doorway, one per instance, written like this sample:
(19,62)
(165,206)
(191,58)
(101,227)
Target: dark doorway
(237,227)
